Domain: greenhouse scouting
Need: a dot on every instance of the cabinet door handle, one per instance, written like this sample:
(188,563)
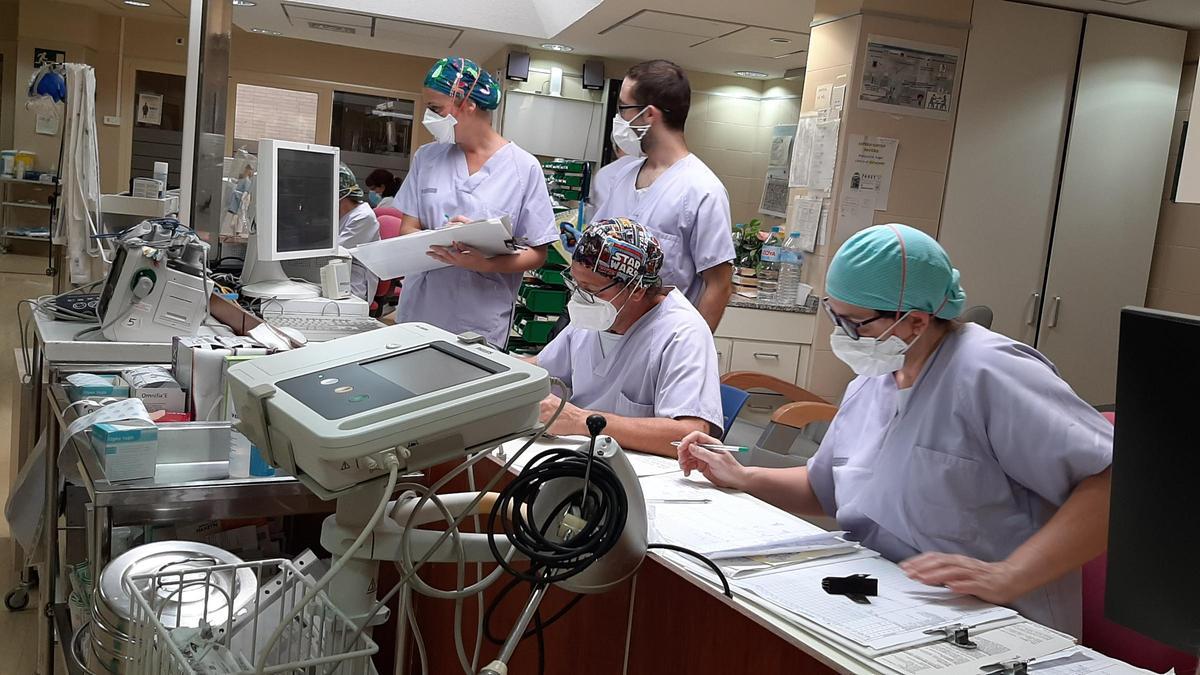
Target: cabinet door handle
(1054,311)
(766,355)
(759,407)
(1033,308)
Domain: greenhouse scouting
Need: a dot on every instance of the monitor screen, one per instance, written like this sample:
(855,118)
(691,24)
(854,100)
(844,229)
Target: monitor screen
(305,214)
(1153,528)
(426,370)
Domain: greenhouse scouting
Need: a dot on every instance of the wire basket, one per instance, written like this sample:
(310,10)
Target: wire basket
(188,620)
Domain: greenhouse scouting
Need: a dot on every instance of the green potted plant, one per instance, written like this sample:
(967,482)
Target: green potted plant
(748,241)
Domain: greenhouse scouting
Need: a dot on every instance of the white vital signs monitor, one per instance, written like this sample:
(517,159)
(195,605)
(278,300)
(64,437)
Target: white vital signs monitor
(296,216)
(319,411)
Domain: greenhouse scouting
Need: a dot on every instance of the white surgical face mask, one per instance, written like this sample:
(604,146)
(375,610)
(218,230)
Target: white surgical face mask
(869,356)
(628,137)
(441,126)
(597,314)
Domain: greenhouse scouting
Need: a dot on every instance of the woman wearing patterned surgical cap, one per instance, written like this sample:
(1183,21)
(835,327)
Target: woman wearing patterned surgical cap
(471,173)
(957,452)
(357,226)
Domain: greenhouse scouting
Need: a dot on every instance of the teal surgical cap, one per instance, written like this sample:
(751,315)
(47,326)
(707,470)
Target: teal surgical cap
(463,78)
(895,268)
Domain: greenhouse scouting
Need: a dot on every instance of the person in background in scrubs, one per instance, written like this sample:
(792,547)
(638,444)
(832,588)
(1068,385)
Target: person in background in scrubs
(382,187)
(635,351)
(670,191)
(957,452)
(470,173)
(357,226)
(602,180)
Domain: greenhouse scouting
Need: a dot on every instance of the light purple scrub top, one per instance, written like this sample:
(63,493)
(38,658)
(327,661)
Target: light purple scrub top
(510,183)
(989,444)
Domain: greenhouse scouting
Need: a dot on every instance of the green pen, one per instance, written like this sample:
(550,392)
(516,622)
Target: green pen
(718,448)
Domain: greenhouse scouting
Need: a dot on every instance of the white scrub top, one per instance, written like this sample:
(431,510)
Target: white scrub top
(355,229)
(665,365)
(687,210)
(438,187)
(602,180)
(989,444)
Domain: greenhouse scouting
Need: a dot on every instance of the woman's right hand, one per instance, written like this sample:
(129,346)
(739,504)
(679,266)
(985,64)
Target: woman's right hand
(720,468)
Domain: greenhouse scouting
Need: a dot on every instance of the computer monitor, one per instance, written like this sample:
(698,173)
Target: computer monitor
(1152,583)
(296,216)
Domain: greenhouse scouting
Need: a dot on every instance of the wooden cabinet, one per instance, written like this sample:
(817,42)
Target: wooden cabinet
(1055,180)
(724,349)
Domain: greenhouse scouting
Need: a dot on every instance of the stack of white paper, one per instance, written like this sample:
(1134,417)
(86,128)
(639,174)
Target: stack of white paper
(408,254)
(718,524)
(899,615)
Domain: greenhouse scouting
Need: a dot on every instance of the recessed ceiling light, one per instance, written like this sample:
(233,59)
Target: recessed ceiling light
(555,47)
(750,73)
(243,3)
(137,3)
(265,31)
(776,40)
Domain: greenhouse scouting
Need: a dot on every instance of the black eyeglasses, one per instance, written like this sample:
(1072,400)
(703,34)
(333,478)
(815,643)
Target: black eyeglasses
(574,287)
(850,326)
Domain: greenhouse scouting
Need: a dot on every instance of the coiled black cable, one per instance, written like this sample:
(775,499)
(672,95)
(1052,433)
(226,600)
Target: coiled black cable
(600,504)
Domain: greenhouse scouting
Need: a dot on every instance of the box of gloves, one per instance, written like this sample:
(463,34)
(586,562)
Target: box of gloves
(127,450)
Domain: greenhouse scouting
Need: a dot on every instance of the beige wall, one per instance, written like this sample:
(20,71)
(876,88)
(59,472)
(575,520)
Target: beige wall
(728,128)
(923,153)
(1175,270)
(94,38)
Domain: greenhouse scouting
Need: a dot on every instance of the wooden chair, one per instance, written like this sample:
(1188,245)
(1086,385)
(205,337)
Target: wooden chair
(804,407)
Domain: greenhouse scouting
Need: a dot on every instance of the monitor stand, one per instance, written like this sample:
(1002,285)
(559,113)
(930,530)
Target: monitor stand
(265,279)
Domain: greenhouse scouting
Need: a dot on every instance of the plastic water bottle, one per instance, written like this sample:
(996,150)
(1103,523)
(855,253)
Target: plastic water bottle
(791,259)
(768,271)
(160,175)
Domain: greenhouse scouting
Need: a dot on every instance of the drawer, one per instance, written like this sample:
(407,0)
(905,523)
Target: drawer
(770,358)
(724,350)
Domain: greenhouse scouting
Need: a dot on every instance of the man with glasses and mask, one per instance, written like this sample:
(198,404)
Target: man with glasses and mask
(958,452)
(669,190)
(635,351)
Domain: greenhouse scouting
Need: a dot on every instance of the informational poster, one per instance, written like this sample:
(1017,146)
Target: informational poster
(908,78)
(824,96)
(838,98)
(805,218)
(871,160)
(149,109)
(815,153)
(43,56)
(774,197)
(46,124)
(783,137)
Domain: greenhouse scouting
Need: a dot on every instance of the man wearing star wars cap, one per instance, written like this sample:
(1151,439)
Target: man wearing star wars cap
(635,351)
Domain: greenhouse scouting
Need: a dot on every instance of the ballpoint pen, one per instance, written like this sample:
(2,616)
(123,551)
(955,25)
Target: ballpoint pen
(701,500)
(717,448)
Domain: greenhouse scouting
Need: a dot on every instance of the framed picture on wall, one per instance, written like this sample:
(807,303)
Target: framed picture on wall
(149,109)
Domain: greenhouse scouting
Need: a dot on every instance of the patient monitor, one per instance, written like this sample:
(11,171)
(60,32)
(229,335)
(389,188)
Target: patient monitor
(322,412)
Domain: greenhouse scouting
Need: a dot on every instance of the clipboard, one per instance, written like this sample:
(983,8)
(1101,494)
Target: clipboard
(406,255)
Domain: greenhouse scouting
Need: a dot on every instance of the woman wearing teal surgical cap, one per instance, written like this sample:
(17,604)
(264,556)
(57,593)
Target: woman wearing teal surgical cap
(957,452)
(471,173)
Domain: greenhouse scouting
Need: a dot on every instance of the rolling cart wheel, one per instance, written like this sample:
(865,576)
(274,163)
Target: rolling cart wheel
(16,599)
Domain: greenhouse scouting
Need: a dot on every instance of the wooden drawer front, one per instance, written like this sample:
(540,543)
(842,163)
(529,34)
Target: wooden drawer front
(770,358)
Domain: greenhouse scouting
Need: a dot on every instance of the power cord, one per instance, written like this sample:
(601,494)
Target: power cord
(702,558)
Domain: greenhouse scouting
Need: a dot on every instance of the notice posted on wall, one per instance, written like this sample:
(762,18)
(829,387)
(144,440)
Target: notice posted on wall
(783,137)
(774,197)
(814,155)
(870,165)
(909,78)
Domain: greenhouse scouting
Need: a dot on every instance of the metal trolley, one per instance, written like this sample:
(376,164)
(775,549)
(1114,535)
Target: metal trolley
(197,617)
